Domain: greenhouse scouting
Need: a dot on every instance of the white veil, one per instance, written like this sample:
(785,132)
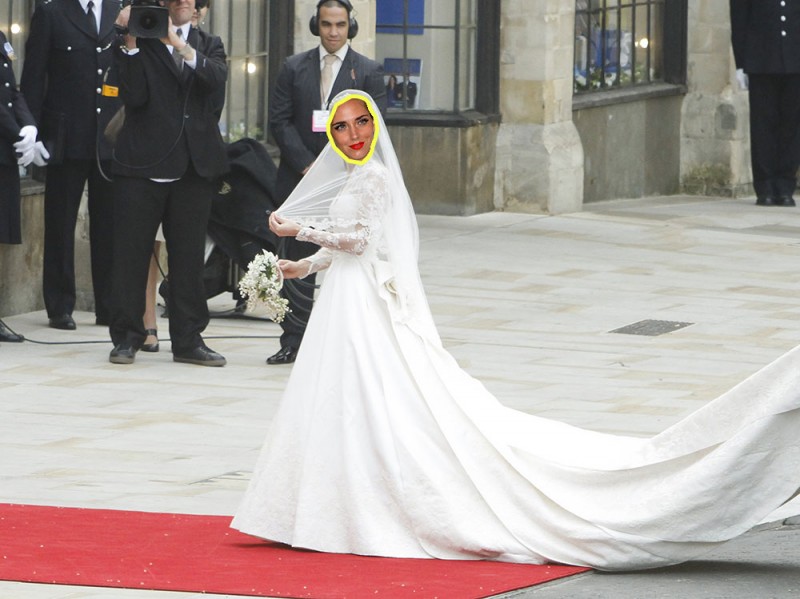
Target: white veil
(397,272)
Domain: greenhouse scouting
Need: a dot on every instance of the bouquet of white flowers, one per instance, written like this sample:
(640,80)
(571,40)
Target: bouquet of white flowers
(261,285)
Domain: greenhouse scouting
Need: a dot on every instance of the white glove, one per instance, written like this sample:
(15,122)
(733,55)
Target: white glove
(27,138)
(40,154)
(25,158)
(742,79)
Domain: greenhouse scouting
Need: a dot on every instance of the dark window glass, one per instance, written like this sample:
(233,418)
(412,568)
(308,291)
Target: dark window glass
(243,26)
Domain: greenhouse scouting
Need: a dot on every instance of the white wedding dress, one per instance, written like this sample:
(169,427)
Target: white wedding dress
(383,445)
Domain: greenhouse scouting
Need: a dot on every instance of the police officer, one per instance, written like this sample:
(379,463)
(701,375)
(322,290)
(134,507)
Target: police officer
(766,46)
(17,148)
(67,57)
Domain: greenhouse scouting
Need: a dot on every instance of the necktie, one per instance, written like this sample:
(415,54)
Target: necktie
(327,77)
(90,17)
(175,54)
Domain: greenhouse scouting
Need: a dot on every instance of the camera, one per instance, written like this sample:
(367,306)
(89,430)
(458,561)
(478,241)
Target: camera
(148,19)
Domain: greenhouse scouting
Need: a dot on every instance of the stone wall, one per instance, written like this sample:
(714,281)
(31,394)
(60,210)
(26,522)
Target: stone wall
(631,148)
(21,265)
(715,151)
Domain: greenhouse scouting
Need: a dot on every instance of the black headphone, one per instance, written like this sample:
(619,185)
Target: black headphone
(352,26)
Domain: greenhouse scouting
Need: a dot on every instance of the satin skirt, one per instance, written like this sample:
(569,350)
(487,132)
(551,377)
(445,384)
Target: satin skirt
(382,445)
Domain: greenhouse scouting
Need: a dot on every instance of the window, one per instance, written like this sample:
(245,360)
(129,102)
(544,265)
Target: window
(15,18)
(624,43)
(430,53)
(243,26)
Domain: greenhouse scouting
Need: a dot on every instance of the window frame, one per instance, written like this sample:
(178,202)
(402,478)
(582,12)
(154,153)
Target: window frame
(487,72)
(674,38)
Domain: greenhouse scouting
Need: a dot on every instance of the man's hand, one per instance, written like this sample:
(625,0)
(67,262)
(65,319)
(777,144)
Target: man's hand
(742,79)
(179,45)
(123,17)
(122,23)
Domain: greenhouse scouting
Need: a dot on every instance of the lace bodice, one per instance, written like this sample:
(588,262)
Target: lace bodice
(355,221)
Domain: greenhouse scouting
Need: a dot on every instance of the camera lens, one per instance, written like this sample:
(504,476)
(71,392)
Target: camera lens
(148,22)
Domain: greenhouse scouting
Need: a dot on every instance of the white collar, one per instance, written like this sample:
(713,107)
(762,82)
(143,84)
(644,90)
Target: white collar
(340,53)
(85,4)
(186,28)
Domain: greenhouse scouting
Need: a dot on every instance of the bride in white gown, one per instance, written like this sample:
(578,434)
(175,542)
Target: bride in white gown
(382,445)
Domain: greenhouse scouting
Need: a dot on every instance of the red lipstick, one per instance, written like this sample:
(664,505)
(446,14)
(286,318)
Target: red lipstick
(357,146)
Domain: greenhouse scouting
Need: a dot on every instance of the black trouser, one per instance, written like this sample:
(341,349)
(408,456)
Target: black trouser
(774,133)
(10,225)
(184,207)
(62,199)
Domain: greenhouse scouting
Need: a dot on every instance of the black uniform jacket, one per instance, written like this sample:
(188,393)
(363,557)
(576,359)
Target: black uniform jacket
(14,113)
(66,67)
(766,35)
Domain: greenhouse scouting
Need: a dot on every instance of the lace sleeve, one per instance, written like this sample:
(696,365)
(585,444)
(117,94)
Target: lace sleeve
(353,234)
(318,261)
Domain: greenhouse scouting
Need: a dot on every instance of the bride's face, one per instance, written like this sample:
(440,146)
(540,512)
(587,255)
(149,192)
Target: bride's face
(352,129)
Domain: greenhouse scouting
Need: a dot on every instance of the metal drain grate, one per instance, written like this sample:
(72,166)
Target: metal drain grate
(651,328)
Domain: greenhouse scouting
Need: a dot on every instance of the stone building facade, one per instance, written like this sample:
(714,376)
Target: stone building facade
(503,127)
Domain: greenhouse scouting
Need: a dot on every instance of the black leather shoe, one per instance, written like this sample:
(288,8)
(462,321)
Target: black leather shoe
(8,335)
(765,201)
(785,201)
(63,322)
(202,356)
(286,355)
(123,353)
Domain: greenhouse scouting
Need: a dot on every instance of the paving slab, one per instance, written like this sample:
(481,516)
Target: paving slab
(535,306)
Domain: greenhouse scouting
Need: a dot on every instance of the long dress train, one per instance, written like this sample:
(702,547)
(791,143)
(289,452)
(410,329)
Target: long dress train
(382,445)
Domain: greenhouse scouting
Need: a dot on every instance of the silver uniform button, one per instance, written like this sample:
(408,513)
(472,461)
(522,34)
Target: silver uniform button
(8,84)
(99,50)
(783,17)
(98,111)
(783,33)
(9,104)
(99,90)
(69,48)
(99,71)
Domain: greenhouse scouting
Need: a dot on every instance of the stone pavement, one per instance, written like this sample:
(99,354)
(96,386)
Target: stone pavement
(530,304)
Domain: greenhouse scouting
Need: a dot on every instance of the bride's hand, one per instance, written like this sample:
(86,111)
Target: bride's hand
(283,227)
(293,270)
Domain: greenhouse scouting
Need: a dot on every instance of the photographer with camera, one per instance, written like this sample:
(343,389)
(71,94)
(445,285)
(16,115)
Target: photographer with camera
(168,155)
(64,80)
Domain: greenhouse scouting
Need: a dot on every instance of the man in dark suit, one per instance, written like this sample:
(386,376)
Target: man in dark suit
(67,56)
(168,155)
(306,83)
(17,148)
(765,35)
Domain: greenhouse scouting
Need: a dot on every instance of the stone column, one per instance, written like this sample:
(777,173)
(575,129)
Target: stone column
(539,152)
(715,149)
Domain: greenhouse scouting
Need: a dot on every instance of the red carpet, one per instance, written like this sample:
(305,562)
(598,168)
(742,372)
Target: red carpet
(180,552)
